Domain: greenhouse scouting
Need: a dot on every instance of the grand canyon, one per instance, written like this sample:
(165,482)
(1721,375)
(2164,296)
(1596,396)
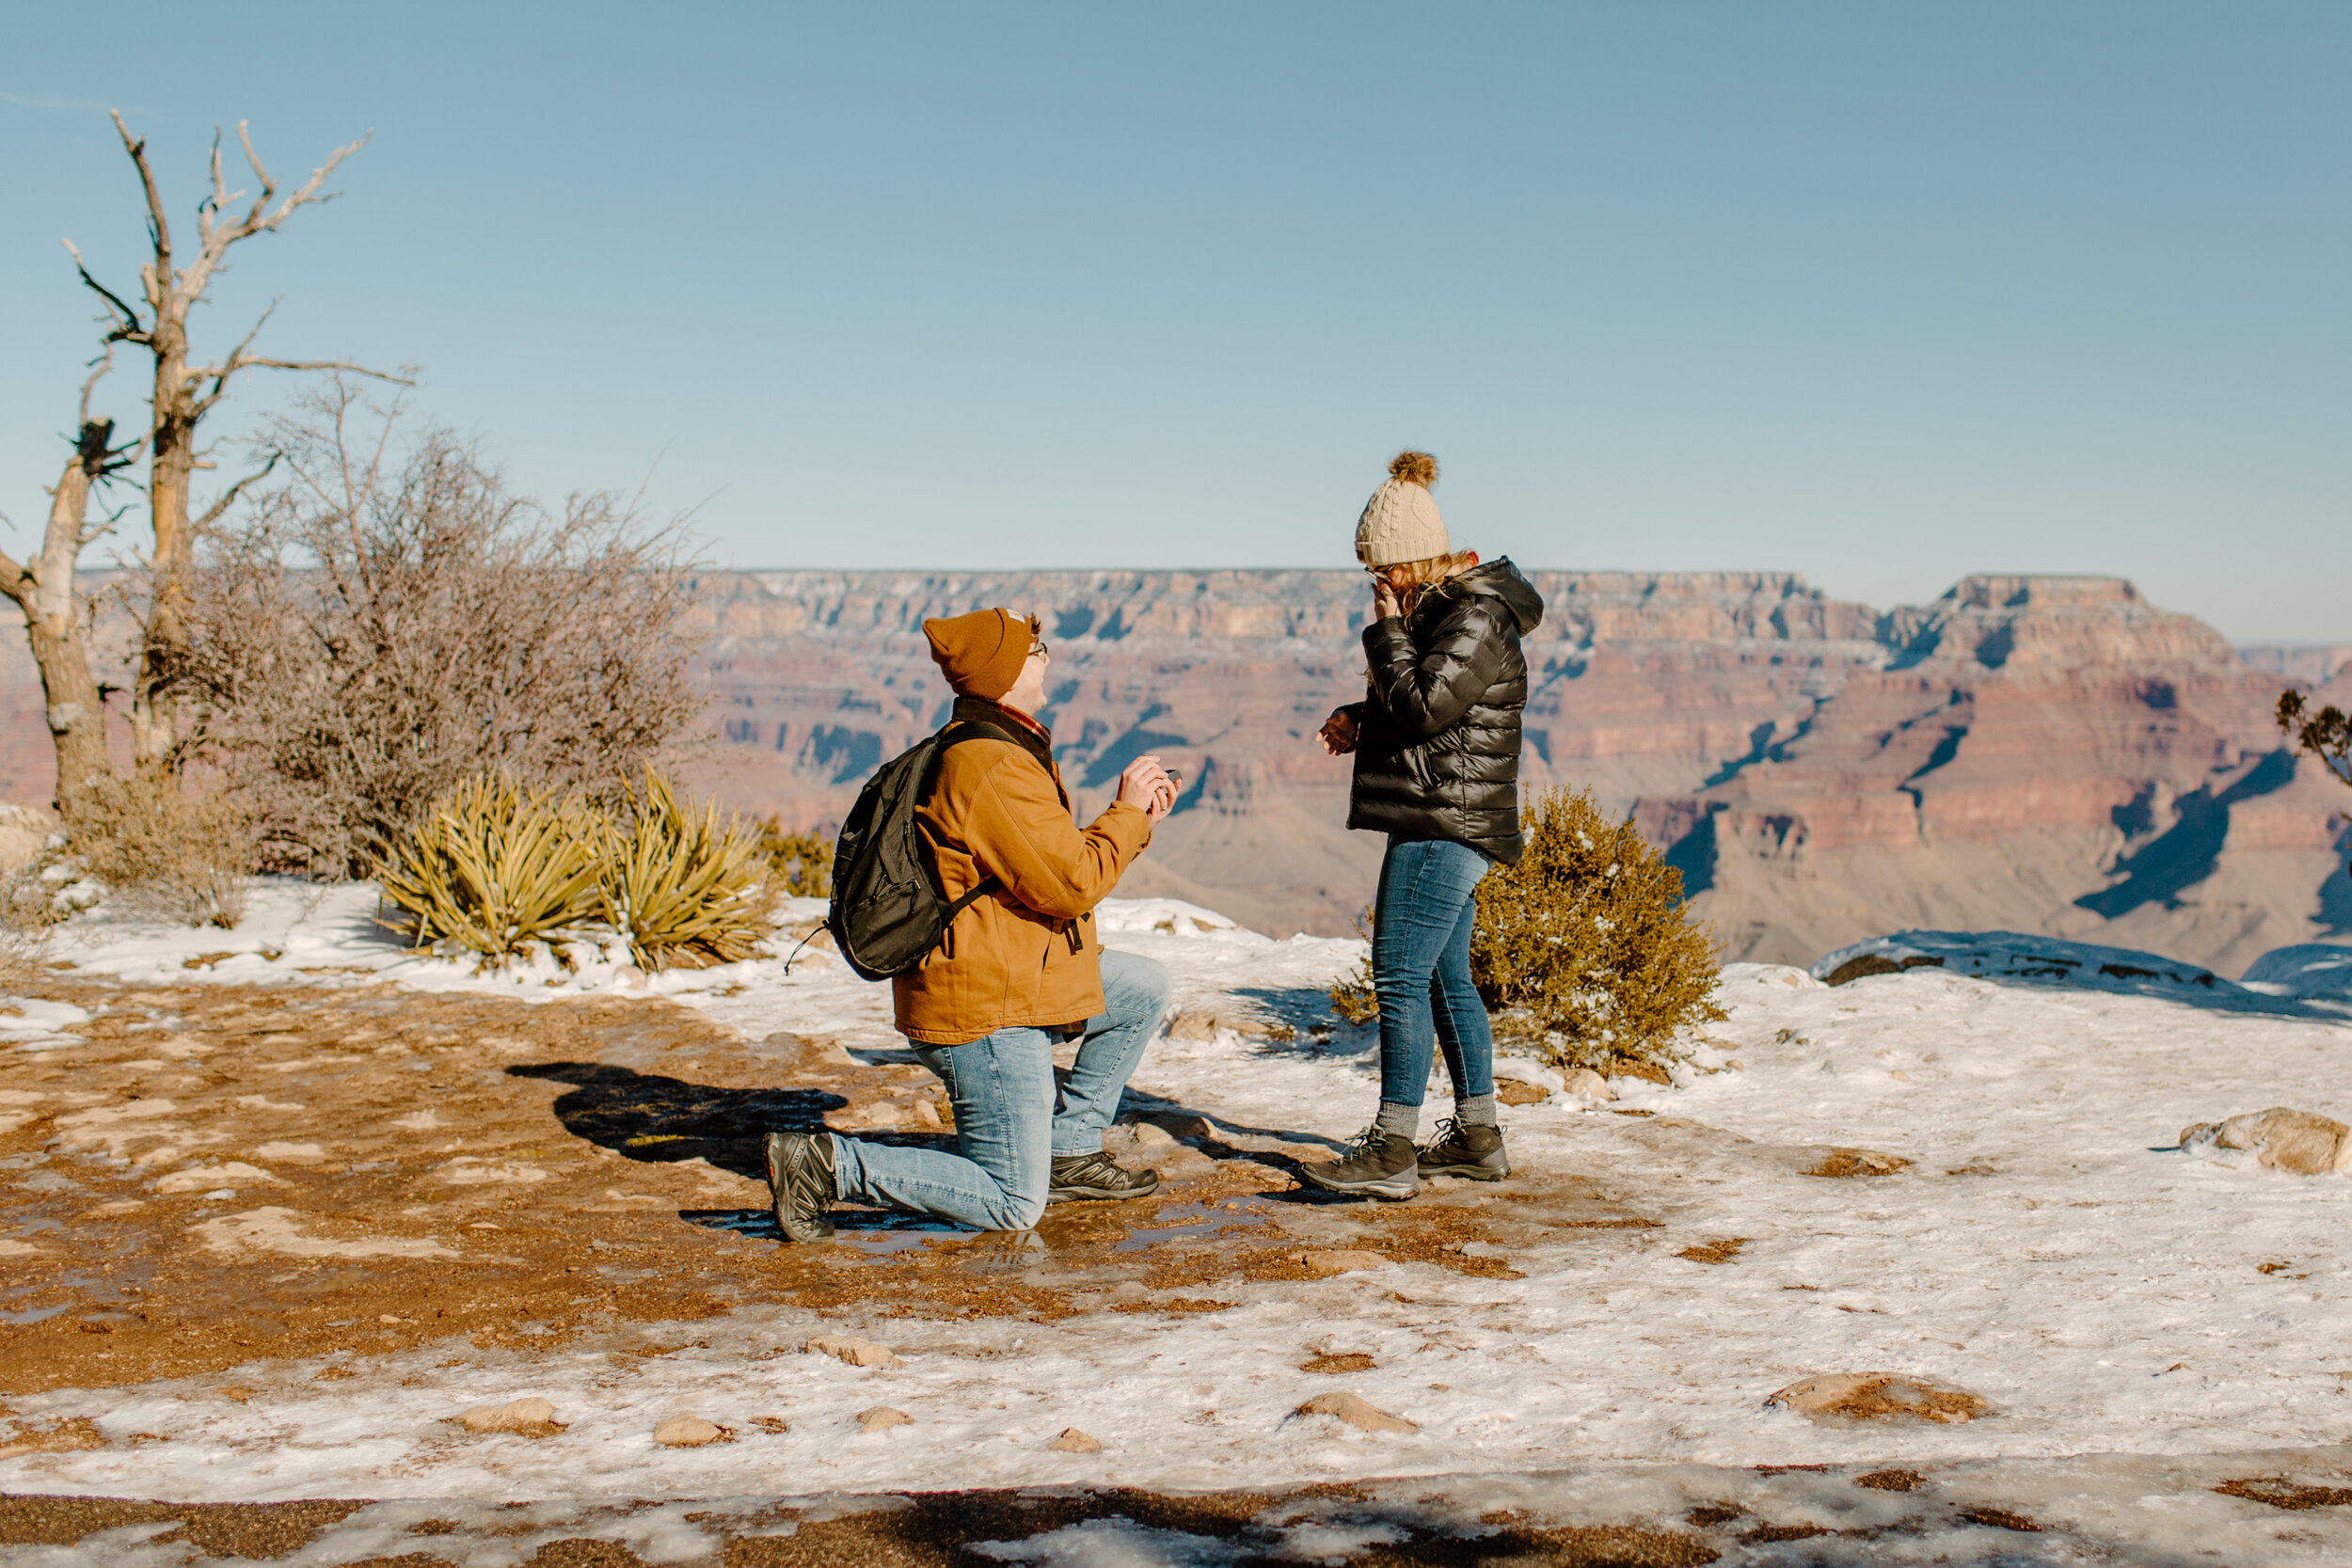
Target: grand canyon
(2036,753)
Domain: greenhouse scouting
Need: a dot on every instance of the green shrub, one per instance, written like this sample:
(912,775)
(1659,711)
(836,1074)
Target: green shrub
(495,868)
(1352,996)
(799,864)
(2326,736)
(681,885)
(1585,947)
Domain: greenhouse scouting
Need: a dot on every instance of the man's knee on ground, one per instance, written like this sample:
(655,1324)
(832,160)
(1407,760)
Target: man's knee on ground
(1011,1212)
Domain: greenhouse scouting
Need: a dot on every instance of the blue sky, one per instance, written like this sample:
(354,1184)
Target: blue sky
(1879,292)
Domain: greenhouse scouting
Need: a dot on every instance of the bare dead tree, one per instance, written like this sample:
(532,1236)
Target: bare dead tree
(57,619)
(387,618)
(185,393)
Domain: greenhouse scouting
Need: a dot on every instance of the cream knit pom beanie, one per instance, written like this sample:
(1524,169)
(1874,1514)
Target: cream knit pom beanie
(1401,522)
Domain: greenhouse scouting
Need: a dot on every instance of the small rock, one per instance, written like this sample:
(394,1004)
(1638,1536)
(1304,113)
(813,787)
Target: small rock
(1877,1396)
(1192,1026)
(1587,1085)
(2281,1138)
(1339,1262)
(927,1114)
(882,1418)
(532,1417)
(1511,1091)
(1356,1412)
(1150,1135)
(1842,1162)
(625,976)
(857,1353)
(1182,1126)
(1868,965)
(1073,1441)
(686,1431)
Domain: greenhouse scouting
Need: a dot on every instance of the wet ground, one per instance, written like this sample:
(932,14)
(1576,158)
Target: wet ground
(212,1175)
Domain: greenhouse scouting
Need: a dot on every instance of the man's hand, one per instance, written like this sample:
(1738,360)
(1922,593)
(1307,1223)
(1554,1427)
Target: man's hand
(1339,733)
(1144,785)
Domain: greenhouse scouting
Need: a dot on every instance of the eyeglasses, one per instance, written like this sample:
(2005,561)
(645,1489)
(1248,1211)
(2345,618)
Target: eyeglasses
(1037,647)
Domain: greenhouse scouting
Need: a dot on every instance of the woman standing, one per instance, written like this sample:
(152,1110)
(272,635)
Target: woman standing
(1436,744)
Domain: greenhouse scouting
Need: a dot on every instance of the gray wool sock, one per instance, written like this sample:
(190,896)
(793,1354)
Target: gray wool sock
(1475,1110)
(1401,1122)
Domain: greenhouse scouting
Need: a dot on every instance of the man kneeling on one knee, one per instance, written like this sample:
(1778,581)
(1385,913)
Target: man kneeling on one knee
(1019,971)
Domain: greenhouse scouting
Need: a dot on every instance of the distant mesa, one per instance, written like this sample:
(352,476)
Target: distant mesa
(2035,754)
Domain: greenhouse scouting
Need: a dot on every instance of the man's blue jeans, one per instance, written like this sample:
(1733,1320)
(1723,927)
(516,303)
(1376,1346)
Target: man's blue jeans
(1011,1122)
(1421,942)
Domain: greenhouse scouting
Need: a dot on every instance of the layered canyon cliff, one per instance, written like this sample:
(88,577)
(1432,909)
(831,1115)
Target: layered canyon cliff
(2049,754)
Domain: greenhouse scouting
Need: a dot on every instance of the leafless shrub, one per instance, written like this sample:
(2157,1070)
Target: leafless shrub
(163,846)
(391,618)
(23,926)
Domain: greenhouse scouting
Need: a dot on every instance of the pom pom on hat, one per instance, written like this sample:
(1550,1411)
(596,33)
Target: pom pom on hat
(1401,522)
(1414,468)
(981,654)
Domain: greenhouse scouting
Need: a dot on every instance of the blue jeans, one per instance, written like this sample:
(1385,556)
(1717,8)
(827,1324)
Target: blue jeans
(1011,1120)
(1421,942)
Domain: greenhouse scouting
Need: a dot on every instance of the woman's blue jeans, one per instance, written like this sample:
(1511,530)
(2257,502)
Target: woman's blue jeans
(1421,942)
(1012,1121)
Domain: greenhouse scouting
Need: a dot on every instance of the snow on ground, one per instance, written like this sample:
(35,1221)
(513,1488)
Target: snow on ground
(2045,1249)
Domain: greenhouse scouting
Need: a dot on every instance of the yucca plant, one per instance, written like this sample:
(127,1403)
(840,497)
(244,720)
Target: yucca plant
(681,885)
(494,868)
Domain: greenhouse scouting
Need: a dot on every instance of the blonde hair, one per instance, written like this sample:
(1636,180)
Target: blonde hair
(1412,578)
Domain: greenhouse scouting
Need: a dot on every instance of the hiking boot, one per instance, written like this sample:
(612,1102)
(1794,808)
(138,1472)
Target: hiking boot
(1092,1178)
(1469,1148)
(800,1177)
(1379,1165)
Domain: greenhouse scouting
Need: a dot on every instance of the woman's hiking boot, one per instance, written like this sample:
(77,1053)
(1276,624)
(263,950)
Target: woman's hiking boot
(1465,1149)
(1379,1165)
(800,1181)
(1093,1179)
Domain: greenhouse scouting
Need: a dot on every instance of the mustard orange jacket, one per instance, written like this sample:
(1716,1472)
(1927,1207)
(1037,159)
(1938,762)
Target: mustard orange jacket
(1025,953)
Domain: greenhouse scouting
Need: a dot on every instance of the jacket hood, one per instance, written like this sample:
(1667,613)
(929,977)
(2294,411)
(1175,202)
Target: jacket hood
(1500,579)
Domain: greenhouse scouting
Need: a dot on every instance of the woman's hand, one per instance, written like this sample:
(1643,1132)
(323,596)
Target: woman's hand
(1144,785)
(1385,602)
(1339,733)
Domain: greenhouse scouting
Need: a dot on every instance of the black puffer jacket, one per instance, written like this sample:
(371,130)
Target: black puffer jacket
(1438,743)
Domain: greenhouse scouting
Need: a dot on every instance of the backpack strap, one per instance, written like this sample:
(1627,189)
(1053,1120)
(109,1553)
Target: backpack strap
(969,729)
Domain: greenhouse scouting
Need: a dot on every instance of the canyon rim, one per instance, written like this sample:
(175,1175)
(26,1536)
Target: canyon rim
(2047,754)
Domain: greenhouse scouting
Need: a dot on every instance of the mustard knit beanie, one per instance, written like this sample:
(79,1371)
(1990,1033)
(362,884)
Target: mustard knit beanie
(1401,521)
(981,654)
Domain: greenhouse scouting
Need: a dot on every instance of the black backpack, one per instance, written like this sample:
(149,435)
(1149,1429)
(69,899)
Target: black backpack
(888,913)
